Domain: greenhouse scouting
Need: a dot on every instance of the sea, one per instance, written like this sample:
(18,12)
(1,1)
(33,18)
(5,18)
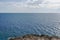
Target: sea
(19,24)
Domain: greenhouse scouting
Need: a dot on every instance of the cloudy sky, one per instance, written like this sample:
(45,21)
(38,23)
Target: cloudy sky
(29,6)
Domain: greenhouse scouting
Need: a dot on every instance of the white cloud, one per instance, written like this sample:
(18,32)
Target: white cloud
(52,1)
(34,4)
(30,5)
(50,4)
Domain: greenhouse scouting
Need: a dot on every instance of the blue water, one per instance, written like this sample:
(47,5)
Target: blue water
(12,25)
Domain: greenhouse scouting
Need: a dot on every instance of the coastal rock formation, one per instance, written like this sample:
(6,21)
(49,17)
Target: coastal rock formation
(36,37)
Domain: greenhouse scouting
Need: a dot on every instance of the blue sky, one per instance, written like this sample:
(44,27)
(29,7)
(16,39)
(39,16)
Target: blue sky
(29,6)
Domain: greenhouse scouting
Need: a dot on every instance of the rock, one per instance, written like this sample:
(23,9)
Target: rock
(36,37)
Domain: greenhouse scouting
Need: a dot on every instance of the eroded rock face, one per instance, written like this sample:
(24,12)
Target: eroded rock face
(35,37)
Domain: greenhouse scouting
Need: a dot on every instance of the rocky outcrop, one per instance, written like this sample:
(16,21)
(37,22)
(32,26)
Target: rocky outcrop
(36,37)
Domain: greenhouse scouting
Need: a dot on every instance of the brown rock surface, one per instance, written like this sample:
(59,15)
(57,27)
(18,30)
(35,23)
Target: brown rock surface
(35,37)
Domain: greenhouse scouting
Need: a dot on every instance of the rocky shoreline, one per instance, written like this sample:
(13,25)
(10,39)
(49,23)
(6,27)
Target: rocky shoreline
(35,37)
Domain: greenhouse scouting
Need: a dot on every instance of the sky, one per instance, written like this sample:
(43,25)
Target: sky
(29,6)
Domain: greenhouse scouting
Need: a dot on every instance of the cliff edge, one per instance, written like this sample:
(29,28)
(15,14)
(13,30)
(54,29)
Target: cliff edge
(35,37)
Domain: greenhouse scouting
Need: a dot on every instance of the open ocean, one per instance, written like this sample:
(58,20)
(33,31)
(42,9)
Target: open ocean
(14,25)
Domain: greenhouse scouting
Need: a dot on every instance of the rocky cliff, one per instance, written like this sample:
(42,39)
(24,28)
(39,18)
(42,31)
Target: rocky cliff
(35,37)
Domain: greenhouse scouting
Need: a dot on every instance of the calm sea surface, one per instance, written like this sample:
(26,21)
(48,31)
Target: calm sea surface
(12,25)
